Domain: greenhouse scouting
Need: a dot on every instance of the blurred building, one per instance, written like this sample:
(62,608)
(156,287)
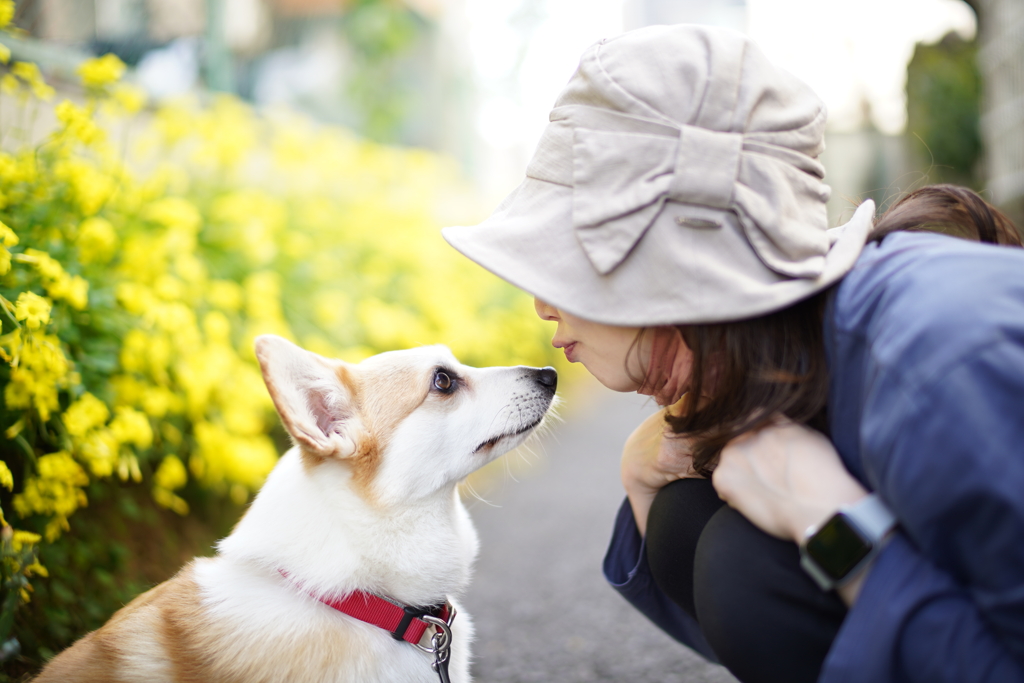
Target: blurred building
(393,69)
(1001,61)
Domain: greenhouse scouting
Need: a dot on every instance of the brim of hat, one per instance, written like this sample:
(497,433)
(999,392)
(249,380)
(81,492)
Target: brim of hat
(675,275)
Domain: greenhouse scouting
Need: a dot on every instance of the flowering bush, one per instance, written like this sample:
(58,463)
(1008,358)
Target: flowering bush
(131,288)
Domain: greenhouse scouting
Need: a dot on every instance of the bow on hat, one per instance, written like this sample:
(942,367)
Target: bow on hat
(625,168)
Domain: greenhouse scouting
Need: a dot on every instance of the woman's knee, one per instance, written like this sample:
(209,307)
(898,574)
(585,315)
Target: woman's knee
(765,619)
(674,525)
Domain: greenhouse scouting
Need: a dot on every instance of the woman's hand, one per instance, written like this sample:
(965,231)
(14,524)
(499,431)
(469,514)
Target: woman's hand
(653,457)
(786,479)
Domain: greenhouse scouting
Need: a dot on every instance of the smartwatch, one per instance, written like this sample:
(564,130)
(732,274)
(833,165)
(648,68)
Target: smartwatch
(833,552)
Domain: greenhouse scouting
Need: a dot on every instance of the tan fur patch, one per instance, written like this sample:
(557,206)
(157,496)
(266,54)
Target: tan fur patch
(182,629)
(132,645)
(382,398)
(87,661)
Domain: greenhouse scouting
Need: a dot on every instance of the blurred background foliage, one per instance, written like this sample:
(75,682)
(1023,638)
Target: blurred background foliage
(379,34)
(142,251)
(944,110)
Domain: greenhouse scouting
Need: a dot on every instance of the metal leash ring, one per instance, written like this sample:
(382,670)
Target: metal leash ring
(445,633)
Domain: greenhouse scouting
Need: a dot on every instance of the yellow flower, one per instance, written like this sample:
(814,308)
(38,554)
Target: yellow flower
(5,52)
(43,91)
(128,467)
(135,298)
(97,240)
(171,474)
(76,292)
(228,130)
(9,84)
(217,327)
(33,309)
(72,288)
(99,450)
(255,221)
(171,434)
(58,284)
(169,500)
(131,426)
(101,71)
(131,98)
(47,266)
(78,122)
(42,370)
(225,295)
(6,478)
(6,12)
(14,429)
(158,401)
(56,491)
(85,414)
(18,392)
(175,212)
(7,236)
(263,295)
(90,186)
(127,389)
(20,539)
(169,288)
(36,568)
(29,72)
(174,122)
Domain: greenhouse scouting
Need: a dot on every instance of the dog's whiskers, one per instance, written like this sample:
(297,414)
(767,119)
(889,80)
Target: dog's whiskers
(468,487)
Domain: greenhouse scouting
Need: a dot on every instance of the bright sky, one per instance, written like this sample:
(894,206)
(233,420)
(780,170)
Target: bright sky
(524,52)
(847,50)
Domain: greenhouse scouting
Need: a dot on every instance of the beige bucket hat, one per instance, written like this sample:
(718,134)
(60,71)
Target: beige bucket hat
(677,182)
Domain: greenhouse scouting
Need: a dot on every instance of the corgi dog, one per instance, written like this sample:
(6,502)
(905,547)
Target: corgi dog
(360,519)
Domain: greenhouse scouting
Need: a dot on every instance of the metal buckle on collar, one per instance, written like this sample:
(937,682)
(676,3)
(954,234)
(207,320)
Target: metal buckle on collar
(444,643)
(440,643)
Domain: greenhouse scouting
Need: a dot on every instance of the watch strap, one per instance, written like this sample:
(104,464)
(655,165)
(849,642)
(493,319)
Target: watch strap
(871,516)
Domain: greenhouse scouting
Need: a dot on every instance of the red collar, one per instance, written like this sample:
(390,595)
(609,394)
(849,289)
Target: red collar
(402,621)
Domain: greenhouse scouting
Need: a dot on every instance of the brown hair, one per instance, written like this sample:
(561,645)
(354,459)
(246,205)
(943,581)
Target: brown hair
(747,371)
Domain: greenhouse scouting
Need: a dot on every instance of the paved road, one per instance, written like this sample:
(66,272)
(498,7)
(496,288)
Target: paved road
(543,612)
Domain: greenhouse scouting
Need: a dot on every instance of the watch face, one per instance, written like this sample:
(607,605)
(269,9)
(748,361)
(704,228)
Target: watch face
(837,547)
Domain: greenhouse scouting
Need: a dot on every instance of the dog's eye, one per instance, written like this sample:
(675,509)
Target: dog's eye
(442,382)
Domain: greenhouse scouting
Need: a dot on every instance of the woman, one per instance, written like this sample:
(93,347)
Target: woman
(860,409)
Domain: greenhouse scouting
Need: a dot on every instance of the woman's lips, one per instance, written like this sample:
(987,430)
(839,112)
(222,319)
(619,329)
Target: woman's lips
(568,349)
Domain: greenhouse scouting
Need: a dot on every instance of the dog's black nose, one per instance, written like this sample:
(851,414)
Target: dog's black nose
(547,378)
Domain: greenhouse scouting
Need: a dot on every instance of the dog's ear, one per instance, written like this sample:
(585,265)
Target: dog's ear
(314,405)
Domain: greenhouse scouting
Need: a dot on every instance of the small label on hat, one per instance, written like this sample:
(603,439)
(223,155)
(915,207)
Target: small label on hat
(702,223)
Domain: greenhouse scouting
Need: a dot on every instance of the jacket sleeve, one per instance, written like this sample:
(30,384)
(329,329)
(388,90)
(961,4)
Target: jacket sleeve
(625,568)
(944,601)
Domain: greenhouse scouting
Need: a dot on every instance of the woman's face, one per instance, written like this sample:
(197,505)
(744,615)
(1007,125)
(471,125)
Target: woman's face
(606,351)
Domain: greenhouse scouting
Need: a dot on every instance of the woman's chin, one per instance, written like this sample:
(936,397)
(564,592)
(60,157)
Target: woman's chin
(621,384)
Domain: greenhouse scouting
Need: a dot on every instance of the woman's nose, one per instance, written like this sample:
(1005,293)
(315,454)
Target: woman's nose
(544,310)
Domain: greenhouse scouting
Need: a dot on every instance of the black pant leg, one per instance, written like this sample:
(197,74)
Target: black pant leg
(767,621)
(674,525)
